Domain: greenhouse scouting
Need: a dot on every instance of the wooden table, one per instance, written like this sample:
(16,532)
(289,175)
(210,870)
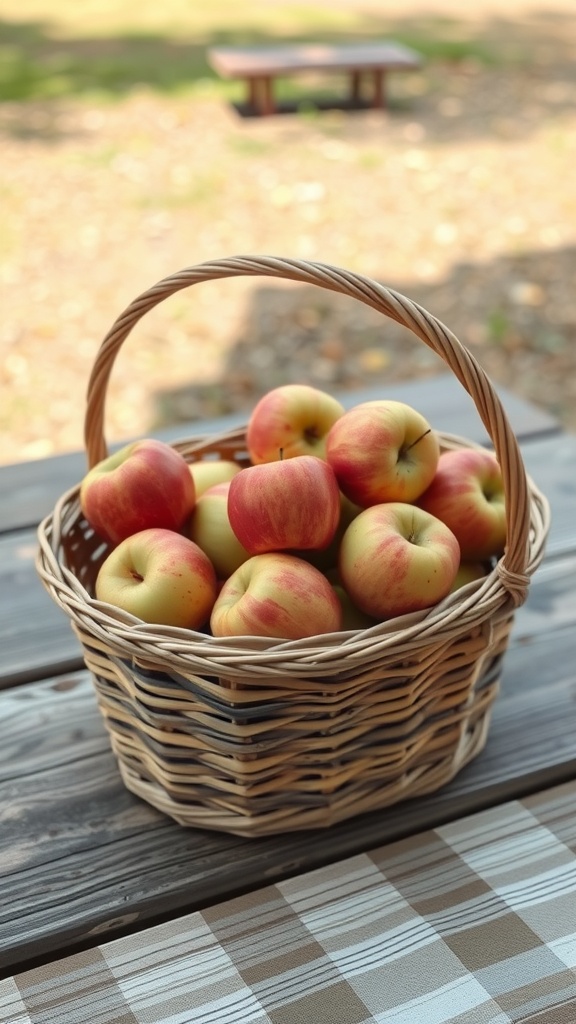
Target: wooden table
(260,66)
(82,861)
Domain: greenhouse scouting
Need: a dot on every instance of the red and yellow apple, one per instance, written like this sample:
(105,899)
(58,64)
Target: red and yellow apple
(210,528)
(276,595)
(144,485)
(293,420)
(467,493)
(209,472)
(382,451)
(285,505)
(160,577)
(395,558)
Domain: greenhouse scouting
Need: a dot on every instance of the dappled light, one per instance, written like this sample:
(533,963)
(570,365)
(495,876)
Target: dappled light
(124,159)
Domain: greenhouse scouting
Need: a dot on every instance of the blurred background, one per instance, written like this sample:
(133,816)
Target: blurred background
(124,159)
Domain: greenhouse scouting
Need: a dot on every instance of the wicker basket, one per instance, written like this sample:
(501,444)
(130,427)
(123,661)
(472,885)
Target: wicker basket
(252,736)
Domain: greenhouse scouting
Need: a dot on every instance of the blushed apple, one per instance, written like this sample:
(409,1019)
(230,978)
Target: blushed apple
(144,485)
(276,595)
(395,558)
(293,419)
(209,472)
(160,577)
(285,505)
(467,493)
(210,528)
(382,451)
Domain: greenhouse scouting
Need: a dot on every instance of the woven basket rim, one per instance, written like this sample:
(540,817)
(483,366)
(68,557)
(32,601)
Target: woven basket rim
(240,655)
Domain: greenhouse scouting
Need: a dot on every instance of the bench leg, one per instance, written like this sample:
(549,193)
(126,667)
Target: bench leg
(379,94)
(378,89)
(260,95)
(355,88)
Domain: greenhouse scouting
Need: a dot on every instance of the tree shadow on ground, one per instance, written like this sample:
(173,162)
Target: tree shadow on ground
(40,66)
(525,338)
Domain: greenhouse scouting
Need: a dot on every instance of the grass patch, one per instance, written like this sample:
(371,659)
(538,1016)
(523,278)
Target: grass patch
(58,48)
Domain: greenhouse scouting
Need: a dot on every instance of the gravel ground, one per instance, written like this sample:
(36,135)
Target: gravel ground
(462,197)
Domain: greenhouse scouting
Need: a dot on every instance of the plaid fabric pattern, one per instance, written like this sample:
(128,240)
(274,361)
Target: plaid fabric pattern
(471,923)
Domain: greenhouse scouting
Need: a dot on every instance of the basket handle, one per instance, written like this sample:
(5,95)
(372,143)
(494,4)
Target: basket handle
(512,567)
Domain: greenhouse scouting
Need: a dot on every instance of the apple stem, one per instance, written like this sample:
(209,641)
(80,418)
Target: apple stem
(281,453)
(136,576)
(417,440)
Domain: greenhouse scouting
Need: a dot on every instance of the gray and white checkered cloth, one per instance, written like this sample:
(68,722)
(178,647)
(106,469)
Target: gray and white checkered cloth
(470,923)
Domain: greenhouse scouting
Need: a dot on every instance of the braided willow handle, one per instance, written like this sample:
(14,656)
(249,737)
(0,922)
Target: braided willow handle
(390,303)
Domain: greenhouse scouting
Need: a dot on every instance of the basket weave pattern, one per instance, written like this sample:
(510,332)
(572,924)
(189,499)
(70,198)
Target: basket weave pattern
(252,736)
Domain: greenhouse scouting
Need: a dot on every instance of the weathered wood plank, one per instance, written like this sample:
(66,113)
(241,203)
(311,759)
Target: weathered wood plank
(552,464)
(35,636)
(80,856)
(47,725)
(29,491)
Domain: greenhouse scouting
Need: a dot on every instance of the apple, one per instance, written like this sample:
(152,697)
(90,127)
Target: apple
(210,528)
(395,558)
(276,595)
(293,420)
(145,484)
(467,493)
(352,617)
(289,504)
(327,558)
(208,472)
(160,577)
(382,451)
(468,572)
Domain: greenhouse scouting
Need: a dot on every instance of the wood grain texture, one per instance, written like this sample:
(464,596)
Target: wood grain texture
(81,857)
(552,464)
(29,491)
(36,639)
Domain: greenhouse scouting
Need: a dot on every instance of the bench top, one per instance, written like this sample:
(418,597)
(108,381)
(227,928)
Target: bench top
(240,61)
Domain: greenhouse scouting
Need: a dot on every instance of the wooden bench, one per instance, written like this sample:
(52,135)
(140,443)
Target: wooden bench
(259,66)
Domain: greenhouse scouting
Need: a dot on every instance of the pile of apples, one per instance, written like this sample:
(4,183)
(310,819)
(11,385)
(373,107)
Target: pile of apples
(342,519)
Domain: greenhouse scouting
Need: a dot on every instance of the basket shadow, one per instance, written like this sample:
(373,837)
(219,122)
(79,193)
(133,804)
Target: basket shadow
(294,334)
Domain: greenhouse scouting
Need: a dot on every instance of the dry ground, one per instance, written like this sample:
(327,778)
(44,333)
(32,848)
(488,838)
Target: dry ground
(462,197)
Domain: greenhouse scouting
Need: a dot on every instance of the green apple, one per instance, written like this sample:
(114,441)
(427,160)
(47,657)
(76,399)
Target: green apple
(210,528)
(352,617)
(208,472)
(468,572)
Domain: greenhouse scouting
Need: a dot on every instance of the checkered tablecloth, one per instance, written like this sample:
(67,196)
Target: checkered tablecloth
(471,923)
